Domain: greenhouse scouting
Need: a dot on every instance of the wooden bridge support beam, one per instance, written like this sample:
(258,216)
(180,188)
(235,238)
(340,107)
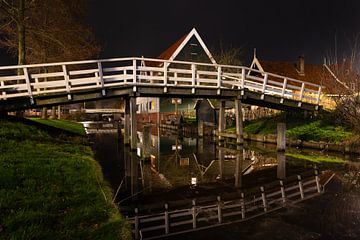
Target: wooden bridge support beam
(281,137)
(44,113)
(53,112)
(59,112)
(222,121)
(133,129)
(127,121)
(239,122)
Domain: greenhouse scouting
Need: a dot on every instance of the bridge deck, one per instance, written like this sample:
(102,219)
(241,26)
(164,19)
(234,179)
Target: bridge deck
(62,83)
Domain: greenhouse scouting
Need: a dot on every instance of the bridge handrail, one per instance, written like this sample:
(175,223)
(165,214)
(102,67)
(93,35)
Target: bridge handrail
(133,74)
(151,60)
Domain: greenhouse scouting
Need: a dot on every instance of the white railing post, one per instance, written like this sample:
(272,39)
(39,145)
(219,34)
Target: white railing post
(134,74)
(175,77)
(136,219)
(318,96)
(193,77)
(263,196)
(125,76)
(2,84)
(193,213)
(219,205)
(28,85)
(282,188)
(264,86)
(166,216)
(243,75)
(301,93)
(219,72)
(101,78)
(301,189)
(165,76)
(67,81)
(283,90)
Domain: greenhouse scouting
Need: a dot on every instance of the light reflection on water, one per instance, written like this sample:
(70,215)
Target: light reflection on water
(168,166)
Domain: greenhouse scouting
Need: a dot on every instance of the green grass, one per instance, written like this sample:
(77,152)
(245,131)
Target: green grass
(318,129)
(316,158)
(66,125)
(52,189)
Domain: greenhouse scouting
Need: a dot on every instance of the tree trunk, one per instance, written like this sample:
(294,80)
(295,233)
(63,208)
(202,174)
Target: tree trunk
(21,34)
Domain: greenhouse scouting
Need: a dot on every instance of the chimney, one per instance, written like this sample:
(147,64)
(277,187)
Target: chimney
(301,65)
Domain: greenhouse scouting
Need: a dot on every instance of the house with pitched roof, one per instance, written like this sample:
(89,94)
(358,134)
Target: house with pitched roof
(332,81)
(190,47)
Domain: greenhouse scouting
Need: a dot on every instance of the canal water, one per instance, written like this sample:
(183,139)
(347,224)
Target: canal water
(175,169)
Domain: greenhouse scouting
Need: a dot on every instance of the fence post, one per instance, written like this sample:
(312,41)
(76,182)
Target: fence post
(318,96)
(136,223)
(219,209)
(219,71)
(263,196)
(242,206)
(193,210)
(101,78)
(193,77)
(165,76)
(264,86)
(28,85)
(283,90)
(301,187)
(166,215)
(134,75)
(317,179)
(282,188)
(301,93)
(67,81)
(242,80)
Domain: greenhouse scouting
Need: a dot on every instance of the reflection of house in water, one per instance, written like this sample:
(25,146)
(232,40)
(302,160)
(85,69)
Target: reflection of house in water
(174,162)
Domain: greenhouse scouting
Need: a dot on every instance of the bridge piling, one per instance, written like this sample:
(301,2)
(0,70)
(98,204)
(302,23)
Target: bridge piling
(239,122)
(44,113)
(126,121)
(53,112)
(221,120)
(281,137)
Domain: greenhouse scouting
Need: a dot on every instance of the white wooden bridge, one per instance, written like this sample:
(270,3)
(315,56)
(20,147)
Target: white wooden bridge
(68,82)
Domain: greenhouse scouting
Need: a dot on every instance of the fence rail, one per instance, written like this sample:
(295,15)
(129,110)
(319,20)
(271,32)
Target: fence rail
(71,77)
(172,222)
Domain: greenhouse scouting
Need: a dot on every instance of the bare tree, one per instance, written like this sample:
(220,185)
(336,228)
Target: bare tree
(346,83)
(46,31)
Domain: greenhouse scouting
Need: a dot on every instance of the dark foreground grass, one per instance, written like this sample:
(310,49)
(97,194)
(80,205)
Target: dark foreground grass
(62,124)
(52,189)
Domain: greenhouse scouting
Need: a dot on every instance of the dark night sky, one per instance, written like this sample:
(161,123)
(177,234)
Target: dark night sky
(279,29)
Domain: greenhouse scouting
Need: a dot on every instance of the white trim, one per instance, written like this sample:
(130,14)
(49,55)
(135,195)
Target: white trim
(192,33)
(334,76)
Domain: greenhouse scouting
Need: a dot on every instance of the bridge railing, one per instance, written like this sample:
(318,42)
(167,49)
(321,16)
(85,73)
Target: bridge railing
(71,77)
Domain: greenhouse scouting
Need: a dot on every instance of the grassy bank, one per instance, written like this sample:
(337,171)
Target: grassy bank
(66,125)
(319,129)
(52,188)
